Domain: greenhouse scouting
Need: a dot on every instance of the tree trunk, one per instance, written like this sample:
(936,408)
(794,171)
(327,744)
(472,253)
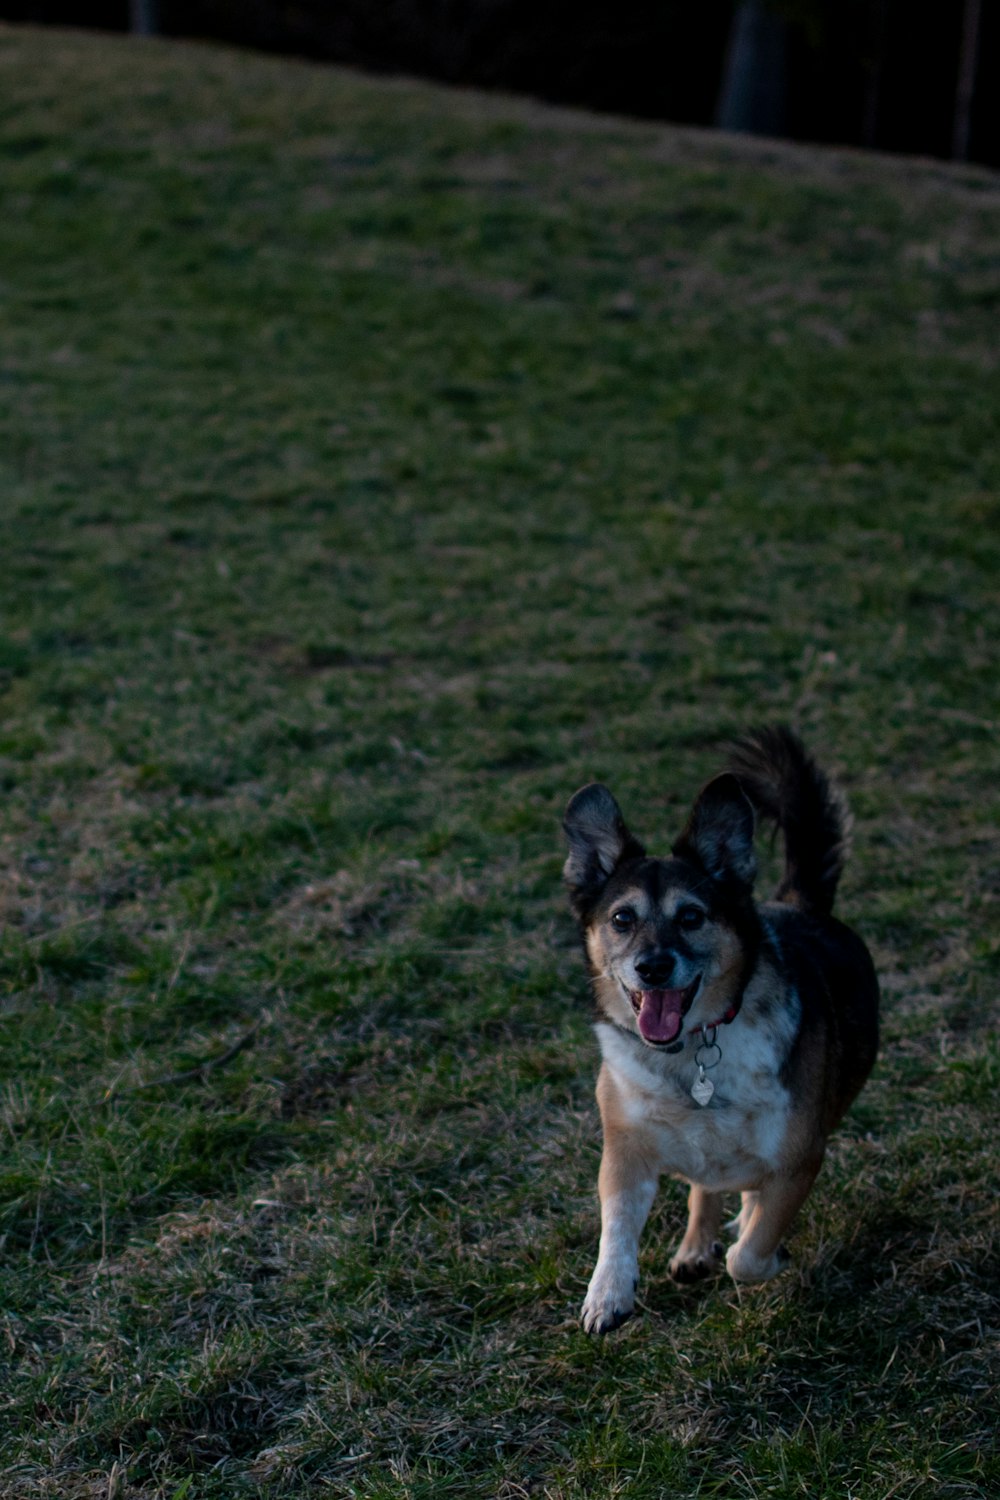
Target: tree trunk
(143,17)
(878,32)
(752,94)
(968,59)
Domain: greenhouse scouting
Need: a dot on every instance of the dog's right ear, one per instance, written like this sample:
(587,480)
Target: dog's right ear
(598,842)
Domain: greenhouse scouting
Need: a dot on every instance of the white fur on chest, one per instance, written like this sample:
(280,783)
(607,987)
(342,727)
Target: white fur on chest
(738,1138)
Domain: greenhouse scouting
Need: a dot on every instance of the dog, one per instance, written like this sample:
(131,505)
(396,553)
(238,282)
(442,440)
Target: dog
(734,1034)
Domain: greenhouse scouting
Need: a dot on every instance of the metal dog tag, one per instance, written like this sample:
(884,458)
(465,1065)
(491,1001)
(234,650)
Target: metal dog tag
(703,1088)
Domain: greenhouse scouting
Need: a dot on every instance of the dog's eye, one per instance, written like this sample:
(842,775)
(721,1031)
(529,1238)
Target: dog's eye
(690,917)
(623,920)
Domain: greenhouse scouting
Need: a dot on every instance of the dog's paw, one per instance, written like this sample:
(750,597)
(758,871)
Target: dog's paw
(600,1321)
(743,1265)
(693,1266)
(610,1300)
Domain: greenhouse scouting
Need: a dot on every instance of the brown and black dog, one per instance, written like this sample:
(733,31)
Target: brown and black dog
(734,1034)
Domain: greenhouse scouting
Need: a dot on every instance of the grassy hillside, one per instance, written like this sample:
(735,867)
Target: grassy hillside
(377,464)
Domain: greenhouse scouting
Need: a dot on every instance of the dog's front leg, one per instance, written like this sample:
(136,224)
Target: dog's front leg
(626,1186)
(626,1192)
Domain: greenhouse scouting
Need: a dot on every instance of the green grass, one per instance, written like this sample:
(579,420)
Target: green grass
(377,464)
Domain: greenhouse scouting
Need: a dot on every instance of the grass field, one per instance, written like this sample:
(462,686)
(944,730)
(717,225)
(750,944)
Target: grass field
(378,464)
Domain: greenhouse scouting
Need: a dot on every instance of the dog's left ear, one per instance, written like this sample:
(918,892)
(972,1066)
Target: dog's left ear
(598,842)
(719,832)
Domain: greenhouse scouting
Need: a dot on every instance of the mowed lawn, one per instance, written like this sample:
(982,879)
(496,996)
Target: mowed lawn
(377,464)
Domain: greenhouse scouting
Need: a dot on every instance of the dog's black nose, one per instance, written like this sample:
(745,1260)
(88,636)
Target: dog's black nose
(655,969)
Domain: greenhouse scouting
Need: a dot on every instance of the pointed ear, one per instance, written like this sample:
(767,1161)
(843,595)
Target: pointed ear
(719,833)
(598,842)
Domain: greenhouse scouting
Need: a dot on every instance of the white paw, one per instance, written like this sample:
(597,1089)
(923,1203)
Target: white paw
(610,1298)
(743,1265)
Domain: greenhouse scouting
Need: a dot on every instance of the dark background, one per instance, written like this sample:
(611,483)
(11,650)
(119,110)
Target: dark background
(877,73)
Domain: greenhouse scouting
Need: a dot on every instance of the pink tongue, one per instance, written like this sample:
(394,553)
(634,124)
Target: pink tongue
(660,1015)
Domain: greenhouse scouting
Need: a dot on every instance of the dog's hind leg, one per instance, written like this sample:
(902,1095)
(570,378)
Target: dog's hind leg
(758,1253)
(737,1225)
(699,1252)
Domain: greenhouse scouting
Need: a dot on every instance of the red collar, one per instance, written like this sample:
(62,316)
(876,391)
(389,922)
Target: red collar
(730,1015)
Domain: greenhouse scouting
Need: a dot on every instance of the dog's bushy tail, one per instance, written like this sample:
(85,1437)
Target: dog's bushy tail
(786,785)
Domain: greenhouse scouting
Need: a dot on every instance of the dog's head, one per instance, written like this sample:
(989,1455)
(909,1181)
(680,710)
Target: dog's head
(665,937)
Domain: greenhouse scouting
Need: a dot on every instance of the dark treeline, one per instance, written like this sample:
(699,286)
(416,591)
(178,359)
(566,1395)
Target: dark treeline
(887,74)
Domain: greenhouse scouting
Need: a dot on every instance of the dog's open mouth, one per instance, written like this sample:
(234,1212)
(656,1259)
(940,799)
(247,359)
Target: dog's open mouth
(661,1013)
